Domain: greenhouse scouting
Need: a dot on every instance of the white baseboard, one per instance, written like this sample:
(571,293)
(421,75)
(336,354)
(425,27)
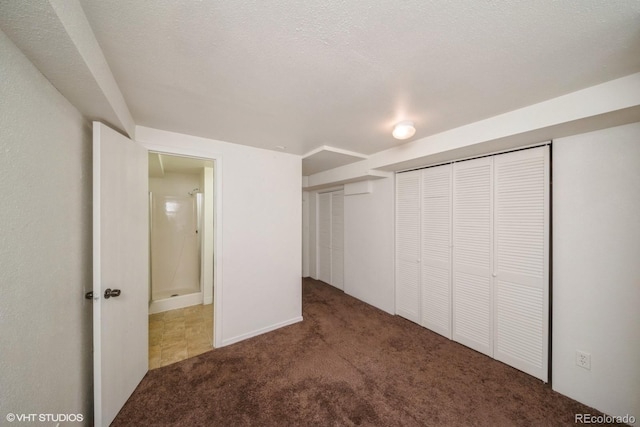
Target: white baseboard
(208,300)
(158,306)
(260,331)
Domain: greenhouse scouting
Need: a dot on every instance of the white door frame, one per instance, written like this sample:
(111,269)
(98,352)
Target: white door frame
(217,226)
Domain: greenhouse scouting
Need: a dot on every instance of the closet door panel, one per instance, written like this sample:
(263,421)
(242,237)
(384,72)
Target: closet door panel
(521,260)
(436,249)
(337,239)
(473,254)
(324,237)
(408,245)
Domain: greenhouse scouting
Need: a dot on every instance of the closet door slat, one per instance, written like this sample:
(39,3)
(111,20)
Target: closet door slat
(473,254)
(521,260)
(436,249)
(408,245)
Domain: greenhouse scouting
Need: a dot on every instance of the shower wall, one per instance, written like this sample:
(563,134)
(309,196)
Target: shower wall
(175,243)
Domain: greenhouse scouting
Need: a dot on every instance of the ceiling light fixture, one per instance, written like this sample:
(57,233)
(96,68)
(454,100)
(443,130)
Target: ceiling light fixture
(404,130)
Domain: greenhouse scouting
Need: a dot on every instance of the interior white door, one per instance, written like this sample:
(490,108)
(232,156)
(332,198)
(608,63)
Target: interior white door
(436,249)
(324,237)
(120,267)
(337,239)
(473,254)
(521,287)
(408,245)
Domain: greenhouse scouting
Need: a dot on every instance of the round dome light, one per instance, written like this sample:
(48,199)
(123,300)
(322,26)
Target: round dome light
(404,130)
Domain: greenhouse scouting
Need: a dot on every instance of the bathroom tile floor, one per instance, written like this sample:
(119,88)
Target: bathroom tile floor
(179,334)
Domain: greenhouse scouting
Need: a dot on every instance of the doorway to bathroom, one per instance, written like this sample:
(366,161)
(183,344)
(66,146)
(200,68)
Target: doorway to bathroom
(181,227)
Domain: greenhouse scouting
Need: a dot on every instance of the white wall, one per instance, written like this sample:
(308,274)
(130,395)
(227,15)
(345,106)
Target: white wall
(45,245)
(261,230)
(596,268)
(369,245)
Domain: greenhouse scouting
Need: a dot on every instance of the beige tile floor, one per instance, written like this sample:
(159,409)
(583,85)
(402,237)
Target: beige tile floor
(176,335)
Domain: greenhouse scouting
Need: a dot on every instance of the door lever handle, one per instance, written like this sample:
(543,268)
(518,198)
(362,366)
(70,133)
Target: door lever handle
(108,293)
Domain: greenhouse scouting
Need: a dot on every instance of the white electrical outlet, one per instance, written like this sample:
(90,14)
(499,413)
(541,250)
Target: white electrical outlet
(583,359)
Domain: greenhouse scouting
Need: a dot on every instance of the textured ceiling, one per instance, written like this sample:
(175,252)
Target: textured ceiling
(340,73)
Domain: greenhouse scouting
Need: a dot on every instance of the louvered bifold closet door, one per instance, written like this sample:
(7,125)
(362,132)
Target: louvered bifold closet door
(436,249)
(521,287)
(337,239)
(472,254)
(408,245)
(324,237)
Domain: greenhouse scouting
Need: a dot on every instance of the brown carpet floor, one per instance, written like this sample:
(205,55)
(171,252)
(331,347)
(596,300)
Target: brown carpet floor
(347,363)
